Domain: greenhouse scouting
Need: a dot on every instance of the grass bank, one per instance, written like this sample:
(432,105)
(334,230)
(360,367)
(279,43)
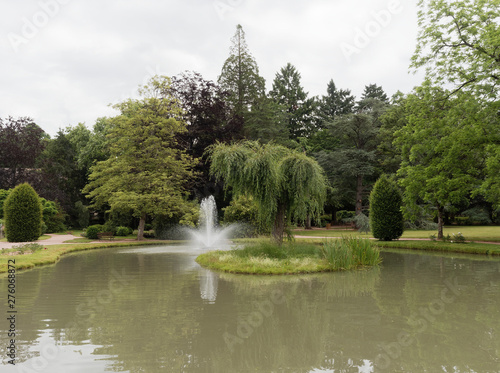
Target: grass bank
(468,247)
(52,253)
(471,233)
(266,258)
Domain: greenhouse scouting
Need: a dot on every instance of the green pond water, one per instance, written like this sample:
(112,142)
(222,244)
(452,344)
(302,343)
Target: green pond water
(155,310)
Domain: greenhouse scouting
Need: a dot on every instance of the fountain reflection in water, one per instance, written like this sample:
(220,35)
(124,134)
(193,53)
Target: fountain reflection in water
(209,234)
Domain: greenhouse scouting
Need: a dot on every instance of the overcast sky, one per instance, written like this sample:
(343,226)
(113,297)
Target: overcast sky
(64,61)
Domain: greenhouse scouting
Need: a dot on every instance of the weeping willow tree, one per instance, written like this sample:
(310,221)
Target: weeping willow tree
(287,185)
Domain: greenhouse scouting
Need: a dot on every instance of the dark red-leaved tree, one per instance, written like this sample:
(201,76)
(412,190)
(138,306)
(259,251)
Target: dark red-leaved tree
(209,118)
(21,143)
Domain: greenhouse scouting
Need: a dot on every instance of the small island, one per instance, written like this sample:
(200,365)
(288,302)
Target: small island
(267,258)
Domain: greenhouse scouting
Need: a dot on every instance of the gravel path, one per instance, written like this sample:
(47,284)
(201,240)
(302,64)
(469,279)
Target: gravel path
(57,239)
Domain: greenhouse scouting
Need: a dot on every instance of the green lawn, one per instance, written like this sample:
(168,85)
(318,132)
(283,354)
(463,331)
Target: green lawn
(52,253)
(468,248)
(476,233)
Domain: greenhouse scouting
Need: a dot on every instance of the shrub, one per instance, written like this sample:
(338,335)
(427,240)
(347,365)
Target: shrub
(243,210)
(123,231)
(422,219)
(23,214)
(93,230)
(386,218)
(454,238)
(477,215)
(82,214)
(109,226)
(53,216)
(362,223)
(345,216)
(323,221)
(31,247)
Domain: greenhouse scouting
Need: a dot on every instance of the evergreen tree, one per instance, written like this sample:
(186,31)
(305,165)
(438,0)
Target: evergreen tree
(23,214)
(61,177)
(354,159)
(336,102)
(240,76)
(386,217)
(288,92)
(267,121)
(373,91)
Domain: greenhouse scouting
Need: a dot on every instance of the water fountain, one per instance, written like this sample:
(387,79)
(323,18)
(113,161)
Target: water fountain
(209,234)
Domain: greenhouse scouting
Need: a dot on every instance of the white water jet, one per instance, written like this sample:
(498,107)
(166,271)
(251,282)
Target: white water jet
(209,234)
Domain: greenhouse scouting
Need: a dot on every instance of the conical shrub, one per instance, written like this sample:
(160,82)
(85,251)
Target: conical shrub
(386,218)
(23,214)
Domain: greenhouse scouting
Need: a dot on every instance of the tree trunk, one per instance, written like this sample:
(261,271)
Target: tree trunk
(279,225)
(440,222)
(142,223)
(334,216)
(308,222)
(359,195)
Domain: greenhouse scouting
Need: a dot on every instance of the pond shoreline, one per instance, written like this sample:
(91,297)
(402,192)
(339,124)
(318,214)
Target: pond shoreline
(52,252)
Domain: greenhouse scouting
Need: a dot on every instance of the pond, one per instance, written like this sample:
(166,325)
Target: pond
(155,310)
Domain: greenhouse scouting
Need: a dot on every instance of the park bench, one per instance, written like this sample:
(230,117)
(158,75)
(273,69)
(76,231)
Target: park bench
(105,236)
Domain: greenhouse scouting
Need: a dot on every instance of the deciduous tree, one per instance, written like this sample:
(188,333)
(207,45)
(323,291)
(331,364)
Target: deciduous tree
(287,185)
(146,171)
(21,143)
(458,44)
(442,149)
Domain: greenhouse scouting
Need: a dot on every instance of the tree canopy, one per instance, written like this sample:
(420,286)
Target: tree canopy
(289,93)
(458,44)
(146,172)
(21,143)
(336,102)
(240,75)
(287,185)
(442,149)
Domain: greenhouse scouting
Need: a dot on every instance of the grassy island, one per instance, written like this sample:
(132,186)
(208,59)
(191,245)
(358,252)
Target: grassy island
(267,258)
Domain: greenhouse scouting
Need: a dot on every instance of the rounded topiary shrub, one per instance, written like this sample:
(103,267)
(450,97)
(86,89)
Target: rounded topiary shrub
(93,231)
(23,214)
(386,218)
(123,231)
